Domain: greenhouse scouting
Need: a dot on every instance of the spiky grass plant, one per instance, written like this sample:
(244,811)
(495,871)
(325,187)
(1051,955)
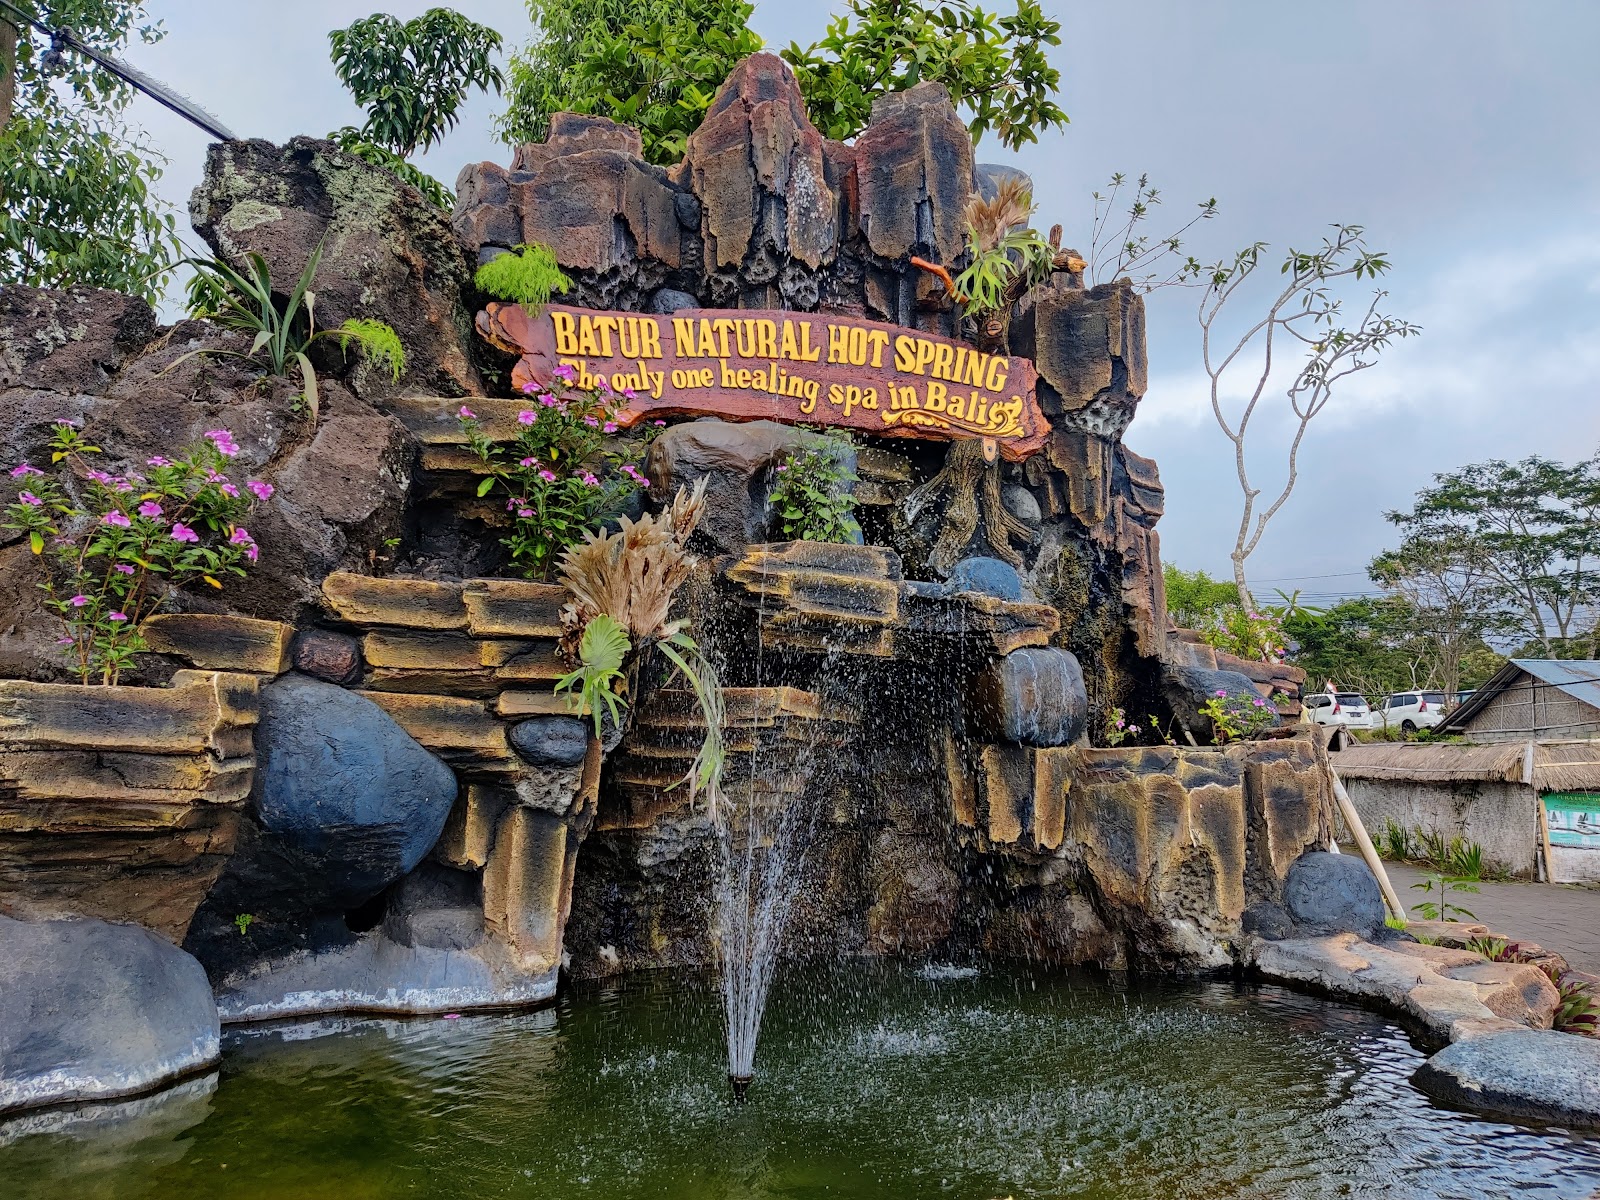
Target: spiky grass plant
(528,276)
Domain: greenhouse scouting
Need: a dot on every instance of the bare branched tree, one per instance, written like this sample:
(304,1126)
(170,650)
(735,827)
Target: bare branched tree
(1306,316)
(1119,247)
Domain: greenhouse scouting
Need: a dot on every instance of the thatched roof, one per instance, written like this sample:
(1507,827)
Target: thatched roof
(1557,766)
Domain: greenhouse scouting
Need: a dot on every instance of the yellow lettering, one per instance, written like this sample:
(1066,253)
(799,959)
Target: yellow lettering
(708,341)
(683,338)
(936,396)
(903,397)
(808,352)
(758,379)
(628,337)
(728,380)
(789,348)
(742,375)
(605,325)
(766,338)
(651,338)
(586,339)
(926,351)
(566,341)
(942,358)
(905,347)
(958,408)
(724,326)
(995,380)
(838,343)
(879,338)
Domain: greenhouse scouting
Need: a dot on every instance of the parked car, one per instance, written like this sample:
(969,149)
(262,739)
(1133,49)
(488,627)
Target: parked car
(1412,711)
(1342,708)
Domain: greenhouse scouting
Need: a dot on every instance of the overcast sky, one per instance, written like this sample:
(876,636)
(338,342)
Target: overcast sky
(1460,133)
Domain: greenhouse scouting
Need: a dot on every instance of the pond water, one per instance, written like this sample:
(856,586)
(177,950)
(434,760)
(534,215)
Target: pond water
(873,1081)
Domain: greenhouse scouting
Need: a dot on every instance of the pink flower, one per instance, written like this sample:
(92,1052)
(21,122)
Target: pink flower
(150,509)
(158,461)
(1260,703)
(23,471)
(660,424)
(253,552)
(101,477)
(548,400)
(603,385)
(229,489)
(466,414)
(241,537)
(29,498)
(79,600)
(609,427)
(529,388)
(223,440)
(547,475)
(564,372)
(117,616)
(1223,692)
(525,512)
(592,422)
(527,417)
(213,477)
(66,641)
(262,491)
(63,422)
(630,393)
(182,533)
(527,462)
(116,518)
(780,468)
(123,569)
(589,480)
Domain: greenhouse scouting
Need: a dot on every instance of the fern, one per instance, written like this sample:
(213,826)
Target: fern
(379,343)
(528,276)
(601,652)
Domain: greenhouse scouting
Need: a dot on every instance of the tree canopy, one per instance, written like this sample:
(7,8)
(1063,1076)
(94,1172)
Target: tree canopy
(77,184)
(657,64)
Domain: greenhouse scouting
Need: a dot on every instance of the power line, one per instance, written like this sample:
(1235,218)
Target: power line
(64,39)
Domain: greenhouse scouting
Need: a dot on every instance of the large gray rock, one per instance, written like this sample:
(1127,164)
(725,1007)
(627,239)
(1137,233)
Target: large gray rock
(1533,1074)
(1334,893)
(1034,696)
(552,741)
(1187,689)
(345,803)
(343,786)
(90,1011)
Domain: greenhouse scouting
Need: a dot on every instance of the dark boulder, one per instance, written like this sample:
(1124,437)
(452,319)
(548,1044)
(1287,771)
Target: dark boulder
(326,655)
(739,458)
(436,906)
(987,576)
(1268,920)
(74,340)
(1334,893)
(669,300)
(551,741)
(345,803)
(1527,1074)
(343,786)
(1188,689)
(1033,696)
(91,1010)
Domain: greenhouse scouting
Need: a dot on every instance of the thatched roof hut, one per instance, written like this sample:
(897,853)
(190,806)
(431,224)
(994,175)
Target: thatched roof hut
(1554,767)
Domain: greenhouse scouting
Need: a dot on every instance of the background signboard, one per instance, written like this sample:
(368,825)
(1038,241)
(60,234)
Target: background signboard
(794,367)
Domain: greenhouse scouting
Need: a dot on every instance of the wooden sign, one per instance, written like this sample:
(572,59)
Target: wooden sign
(798,368)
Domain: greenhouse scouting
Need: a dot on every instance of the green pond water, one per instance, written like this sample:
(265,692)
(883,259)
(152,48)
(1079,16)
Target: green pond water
(875,1081)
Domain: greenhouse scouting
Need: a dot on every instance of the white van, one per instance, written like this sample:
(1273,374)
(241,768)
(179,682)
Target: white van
(1412,711)
(1342,708)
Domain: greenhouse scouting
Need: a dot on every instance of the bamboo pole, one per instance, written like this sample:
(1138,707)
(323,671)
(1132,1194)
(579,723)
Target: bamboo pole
(1364,843)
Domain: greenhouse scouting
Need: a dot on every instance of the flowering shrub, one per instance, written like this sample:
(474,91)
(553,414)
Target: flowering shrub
(1120,729)
(1246,633)
(120,542)
(558,476)
(1238,716)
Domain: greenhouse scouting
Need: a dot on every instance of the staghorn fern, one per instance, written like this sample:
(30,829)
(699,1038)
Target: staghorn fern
(602,650)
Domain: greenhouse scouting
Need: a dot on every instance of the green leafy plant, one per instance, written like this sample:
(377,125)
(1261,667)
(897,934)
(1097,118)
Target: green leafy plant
(1493,948)
(602,649)
(1442,909)
(412,78)
(78,198)
(1236,717)
(283,333)
(1246,633)
(1120,249)
(1395,843)
(243,921)
(1008,257)
(811,499)
(1394,922)
(1578,1010)
(995,67)
(528,276)
(120,543)
(560,479)
(652,64)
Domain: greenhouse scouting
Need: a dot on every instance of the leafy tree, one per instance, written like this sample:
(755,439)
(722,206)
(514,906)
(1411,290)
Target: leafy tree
(1194,598)
(1119,246)
(657,64)
(1306,315)
(1532,530)
(412,78)
(653,64)
(77,186)
(1451,597)
(1382,644)
(994,67)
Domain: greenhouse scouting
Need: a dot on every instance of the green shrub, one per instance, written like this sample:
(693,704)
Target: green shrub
(528,276)
(812,499)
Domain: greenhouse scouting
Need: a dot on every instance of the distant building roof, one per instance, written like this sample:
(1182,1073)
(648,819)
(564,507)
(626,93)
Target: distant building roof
(1554,766)
(1579,678)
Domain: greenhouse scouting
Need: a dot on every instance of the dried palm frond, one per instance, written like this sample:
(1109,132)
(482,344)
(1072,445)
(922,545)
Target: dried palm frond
(988,221)
(631,575)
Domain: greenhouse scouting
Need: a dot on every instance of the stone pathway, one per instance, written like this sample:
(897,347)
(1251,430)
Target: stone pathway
(1559,917)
